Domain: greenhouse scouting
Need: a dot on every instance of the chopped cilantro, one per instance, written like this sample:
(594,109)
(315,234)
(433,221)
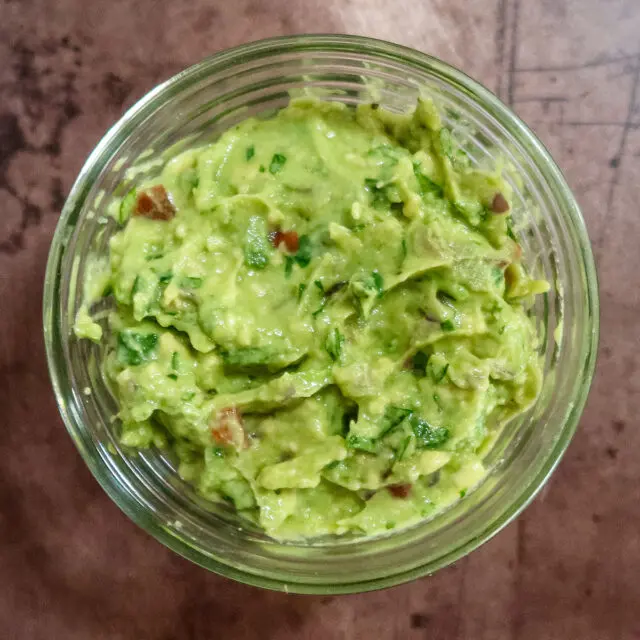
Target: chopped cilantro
(378,195)
(463,493)
(440,375)
(318,284)
(302,258)
(277,162)
(419,362)
(288,266)
(366,288)
(426,184)
(384,154)
(362,443)
(135,348)
(138,283)
(378,282)
(303,255)
(250,152)
(165,278)
(301,289)
(323,304)
(402,448)
(126,206)
(393,416)
(447,325)
(428,436)
(334,343)
(261,169)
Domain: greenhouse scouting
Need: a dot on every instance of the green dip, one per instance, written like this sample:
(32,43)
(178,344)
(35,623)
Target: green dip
(322,316)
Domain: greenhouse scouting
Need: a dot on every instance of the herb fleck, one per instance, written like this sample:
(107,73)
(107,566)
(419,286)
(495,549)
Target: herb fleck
(277,162)
(447,325)
(334,343)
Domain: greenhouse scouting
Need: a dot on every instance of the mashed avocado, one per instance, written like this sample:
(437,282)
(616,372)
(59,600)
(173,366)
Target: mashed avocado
(322,315)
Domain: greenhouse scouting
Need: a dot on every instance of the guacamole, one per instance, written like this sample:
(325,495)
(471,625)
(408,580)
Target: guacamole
(321,316)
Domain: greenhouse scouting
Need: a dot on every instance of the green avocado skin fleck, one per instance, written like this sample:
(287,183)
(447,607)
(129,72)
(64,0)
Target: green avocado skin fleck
(332,313)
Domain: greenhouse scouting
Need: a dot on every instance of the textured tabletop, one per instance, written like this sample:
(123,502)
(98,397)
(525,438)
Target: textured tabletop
(73,567)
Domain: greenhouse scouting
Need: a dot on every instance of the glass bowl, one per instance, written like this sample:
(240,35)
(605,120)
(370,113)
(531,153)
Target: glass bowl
(259,78)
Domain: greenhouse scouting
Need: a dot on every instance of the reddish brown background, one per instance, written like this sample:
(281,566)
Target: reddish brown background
(73,567)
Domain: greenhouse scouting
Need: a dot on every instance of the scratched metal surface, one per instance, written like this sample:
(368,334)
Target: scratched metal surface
(73,567)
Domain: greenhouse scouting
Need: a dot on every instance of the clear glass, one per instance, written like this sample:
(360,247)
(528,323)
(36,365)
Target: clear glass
(258,78)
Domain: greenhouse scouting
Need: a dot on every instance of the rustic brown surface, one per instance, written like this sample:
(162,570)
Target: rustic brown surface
(73,567)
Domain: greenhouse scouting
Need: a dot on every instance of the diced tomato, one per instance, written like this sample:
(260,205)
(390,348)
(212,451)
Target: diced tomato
(227,428)
(222,434)
(499,204)
(154,204)
(290,239)
(399,490)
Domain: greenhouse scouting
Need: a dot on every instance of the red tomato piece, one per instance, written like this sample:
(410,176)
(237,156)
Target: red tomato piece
(399,490)
(154,204)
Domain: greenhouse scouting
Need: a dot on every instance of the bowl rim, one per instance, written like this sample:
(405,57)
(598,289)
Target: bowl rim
(317,42)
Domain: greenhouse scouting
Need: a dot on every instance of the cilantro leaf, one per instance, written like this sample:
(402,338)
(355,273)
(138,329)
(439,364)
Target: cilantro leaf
(436,373)
(138,284)
(250,152)
(303,255)
(362,443)
(378,282)
(135,348)
(126,206)
(419,362)
(401,450)
(378,195)
(277,162)
(366,288)
(426,184)
(334,343)
(447,325)
(393,416)
(428,436)
(288,266)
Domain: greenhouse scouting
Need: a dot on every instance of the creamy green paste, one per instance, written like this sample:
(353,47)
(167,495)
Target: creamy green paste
(322,317)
